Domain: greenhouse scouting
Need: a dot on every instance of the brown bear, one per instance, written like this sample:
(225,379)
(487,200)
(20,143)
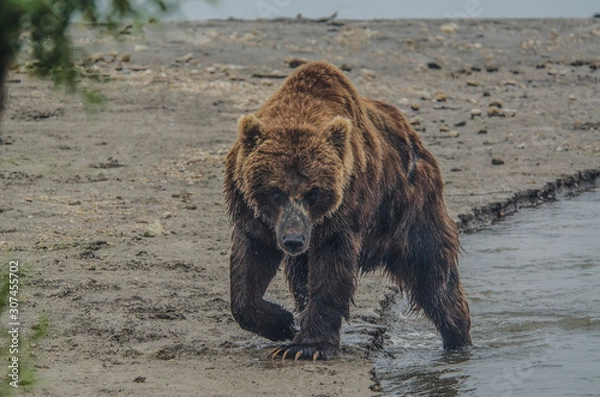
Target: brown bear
(330,184)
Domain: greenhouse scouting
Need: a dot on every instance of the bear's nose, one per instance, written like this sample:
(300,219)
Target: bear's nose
(294,242)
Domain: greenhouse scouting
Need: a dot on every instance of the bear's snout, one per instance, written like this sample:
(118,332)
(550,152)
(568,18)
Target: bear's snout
(294,243)
(293,229)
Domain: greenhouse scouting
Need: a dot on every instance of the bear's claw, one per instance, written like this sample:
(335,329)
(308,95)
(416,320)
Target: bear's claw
(303,352)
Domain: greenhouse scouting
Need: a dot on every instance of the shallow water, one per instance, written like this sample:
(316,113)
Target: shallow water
(533,284)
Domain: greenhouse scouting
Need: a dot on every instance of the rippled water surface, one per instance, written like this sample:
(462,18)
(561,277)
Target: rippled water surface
(533,283)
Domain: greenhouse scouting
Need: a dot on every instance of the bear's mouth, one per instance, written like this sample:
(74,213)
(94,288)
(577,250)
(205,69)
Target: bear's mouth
(293,229)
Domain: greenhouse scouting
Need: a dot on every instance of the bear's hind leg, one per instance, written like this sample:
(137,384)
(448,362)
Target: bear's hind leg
(430,276)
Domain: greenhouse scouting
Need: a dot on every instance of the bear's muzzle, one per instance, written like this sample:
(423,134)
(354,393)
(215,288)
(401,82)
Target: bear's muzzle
(293,229)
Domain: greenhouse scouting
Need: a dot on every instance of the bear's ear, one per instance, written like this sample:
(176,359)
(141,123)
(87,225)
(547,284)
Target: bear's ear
(249,130)
(338,134)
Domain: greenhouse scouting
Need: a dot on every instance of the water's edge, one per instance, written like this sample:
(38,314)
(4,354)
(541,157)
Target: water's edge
(567,186)
(482,217)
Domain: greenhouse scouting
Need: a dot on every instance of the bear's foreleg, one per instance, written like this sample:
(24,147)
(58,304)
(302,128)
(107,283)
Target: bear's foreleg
(253,264)
(331,283)
(296,270)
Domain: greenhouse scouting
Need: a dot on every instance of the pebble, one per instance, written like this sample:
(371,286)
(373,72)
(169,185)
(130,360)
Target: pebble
(415,121)
(443,128)
(493,111)
(434,66)
(572,98)
(96,57)
(496,104)
(368,73)
(140,48)
(473,83)
(415,106)
(486,93)
(125,57)
(184,59)
(294,62)
(211,69)
(454,134)
(345,67)
(511,82)
(497,161)
(461,123)
(509,112)
(424,95)
(482,131)
(449,28)
(440,96)
(476,113)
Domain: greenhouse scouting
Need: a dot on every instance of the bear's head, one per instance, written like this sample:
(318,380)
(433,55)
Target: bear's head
(294,177)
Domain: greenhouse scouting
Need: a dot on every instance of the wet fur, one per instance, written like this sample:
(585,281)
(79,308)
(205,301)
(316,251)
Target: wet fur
(382,207)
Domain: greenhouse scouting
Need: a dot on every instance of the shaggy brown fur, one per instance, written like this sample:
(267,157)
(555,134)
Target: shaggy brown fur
(330,183)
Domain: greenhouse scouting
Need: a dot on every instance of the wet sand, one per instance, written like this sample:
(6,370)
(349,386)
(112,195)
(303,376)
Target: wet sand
(118,215)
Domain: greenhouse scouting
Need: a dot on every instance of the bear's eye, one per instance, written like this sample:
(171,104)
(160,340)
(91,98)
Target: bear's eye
(312,196)
(277,197)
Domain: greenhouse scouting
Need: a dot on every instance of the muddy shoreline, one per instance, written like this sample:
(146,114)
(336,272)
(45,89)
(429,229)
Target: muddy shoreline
(118,215)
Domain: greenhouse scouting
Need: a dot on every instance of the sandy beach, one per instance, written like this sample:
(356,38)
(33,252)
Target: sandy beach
(117,216)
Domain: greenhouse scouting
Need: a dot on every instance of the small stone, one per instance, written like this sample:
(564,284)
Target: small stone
(415,106)
(434,66)
(125,57)
(482,131)
(415,121)
(497,161)
(476,113)
(294,62)
(424,95)
(185,59)
(454,134)
(443,128)
(76,202)
(492,69)
(509,113)
(346,68)
(368,73)
(154,229)
(511,82)
(140,379)
(496,104)
(473,83)
(449,28)
(440,96)
(138,68)
(461,123)
(486,93)
(493,112)
(521,146)
(140,48)
(96,57)
(572,98)
(211,69)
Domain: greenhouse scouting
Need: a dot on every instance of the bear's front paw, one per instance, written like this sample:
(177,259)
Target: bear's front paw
(321,351)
